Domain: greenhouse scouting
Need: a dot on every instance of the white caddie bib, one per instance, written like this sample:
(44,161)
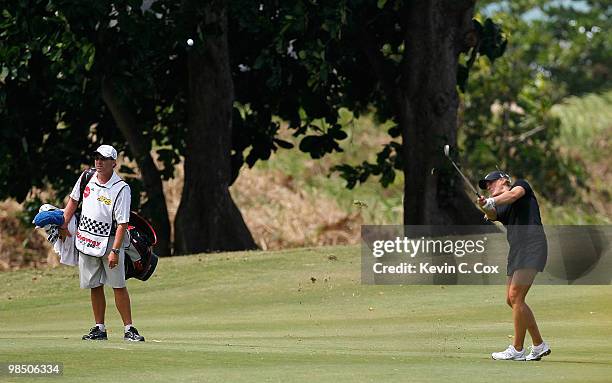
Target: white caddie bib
(97,215)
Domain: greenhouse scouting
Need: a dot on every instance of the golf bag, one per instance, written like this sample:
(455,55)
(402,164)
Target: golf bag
(140,261)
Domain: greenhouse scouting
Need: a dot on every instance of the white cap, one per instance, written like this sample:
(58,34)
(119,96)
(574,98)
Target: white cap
(107,151)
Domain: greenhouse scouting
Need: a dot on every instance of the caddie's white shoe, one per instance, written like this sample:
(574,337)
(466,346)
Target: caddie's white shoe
(509,354)
(537,352)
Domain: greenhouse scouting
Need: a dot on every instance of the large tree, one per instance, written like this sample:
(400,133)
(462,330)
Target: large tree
(425,102)
(208,219)
(113,62)
(121,72)
(402,57)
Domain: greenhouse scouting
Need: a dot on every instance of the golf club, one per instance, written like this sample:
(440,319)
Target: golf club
(447,154)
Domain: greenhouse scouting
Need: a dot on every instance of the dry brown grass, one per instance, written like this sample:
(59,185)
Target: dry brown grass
(20,247)
(281,215)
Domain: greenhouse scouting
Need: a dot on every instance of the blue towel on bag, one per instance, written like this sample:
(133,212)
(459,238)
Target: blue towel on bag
(53,217)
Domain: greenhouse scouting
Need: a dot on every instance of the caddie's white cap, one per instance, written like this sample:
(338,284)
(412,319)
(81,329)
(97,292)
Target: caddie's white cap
(107,151)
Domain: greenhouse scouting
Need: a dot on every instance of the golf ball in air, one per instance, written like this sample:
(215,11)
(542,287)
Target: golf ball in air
(190,42)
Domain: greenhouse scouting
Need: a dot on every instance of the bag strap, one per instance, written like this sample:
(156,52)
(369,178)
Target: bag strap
(85,178)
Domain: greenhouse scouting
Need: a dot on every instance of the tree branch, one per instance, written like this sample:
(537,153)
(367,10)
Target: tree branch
(523,136)
(126,122)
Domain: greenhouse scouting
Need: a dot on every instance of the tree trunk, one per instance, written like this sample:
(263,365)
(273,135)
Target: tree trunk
(155,208)
(207,219)
(427,112)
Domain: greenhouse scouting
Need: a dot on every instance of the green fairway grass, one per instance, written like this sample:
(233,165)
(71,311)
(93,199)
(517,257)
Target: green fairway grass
(259,317)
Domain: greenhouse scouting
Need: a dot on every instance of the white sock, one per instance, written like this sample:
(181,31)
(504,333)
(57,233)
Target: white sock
(539,346)
(101,326)
(127,327)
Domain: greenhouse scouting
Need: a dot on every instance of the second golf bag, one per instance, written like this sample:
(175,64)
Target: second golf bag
(140,260)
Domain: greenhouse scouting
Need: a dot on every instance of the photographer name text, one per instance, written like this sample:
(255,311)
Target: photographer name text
(428,268)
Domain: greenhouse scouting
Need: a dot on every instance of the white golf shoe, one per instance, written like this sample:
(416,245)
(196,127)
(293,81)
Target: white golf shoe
(509,354)
(537,352)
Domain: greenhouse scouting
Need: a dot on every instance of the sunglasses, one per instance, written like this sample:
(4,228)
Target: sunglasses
(99,157)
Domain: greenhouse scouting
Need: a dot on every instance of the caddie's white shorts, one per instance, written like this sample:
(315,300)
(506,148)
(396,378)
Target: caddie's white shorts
(94,271)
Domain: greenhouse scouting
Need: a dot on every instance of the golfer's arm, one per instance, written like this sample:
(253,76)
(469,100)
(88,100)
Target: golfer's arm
(69,210)
(510,196)
(121,228)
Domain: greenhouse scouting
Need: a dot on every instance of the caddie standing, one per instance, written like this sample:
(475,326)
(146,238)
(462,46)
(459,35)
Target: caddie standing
(100,240)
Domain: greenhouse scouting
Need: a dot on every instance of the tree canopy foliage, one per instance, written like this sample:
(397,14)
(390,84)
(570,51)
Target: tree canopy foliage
(54,56)
(74,74)
(506,120)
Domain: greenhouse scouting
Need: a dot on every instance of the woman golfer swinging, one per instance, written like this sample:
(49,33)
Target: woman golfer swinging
(516,207)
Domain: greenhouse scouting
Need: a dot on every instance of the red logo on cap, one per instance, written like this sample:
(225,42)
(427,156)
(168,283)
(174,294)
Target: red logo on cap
(86,192)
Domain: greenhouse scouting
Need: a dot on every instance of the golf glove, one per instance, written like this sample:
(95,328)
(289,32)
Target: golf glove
(489,204)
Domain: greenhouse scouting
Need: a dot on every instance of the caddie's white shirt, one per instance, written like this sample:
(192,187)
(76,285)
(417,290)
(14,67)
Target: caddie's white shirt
(102,204)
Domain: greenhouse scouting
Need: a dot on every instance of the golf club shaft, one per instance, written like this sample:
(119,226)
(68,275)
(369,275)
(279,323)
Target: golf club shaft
(465,179)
